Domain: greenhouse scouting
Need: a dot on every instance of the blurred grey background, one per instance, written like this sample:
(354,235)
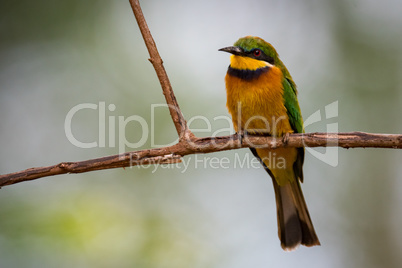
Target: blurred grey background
(55,55)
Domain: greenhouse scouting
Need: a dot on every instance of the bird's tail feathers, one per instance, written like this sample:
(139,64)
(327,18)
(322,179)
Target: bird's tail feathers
(294,223)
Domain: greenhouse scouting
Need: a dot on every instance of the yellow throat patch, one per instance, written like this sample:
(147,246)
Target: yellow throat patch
(246,63)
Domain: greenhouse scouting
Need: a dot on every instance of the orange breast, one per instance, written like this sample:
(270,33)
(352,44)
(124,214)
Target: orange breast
(257,105)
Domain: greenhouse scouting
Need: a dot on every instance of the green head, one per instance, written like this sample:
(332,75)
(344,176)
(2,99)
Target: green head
(256,48)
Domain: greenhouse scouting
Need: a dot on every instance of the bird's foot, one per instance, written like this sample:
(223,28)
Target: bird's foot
(240,136)
(285,138)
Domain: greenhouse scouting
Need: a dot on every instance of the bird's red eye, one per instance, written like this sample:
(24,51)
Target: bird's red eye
(257,52)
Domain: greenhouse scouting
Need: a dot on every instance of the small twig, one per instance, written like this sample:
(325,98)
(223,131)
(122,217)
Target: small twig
(172,154)
(156,60)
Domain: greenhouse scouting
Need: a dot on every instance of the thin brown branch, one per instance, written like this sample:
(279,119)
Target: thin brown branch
(172,154)
(108,162)
(156,60)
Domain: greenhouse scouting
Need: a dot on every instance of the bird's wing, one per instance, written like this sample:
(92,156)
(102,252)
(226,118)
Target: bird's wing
(296,121)
(292,106)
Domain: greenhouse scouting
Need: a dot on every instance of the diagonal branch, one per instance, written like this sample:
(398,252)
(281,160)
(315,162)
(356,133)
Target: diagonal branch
(156,60)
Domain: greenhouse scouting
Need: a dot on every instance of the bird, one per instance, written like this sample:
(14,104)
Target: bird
(262,100)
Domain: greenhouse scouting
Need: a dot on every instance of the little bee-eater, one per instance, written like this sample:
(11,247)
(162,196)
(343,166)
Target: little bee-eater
(262,98)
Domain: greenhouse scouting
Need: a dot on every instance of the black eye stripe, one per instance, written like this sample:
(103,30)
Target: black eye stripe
(261,56)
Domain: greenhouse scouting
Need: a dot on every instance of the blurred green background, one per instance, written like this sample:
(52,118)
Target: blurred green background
(55,55)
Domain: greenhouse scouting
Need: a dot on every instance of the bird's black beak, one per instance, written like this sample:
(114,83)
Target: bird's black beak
(233,50)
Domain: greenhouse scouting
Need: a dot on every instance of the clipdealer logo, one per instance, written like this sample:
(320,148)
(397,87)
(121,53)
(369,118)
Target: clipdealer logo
(114,136)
